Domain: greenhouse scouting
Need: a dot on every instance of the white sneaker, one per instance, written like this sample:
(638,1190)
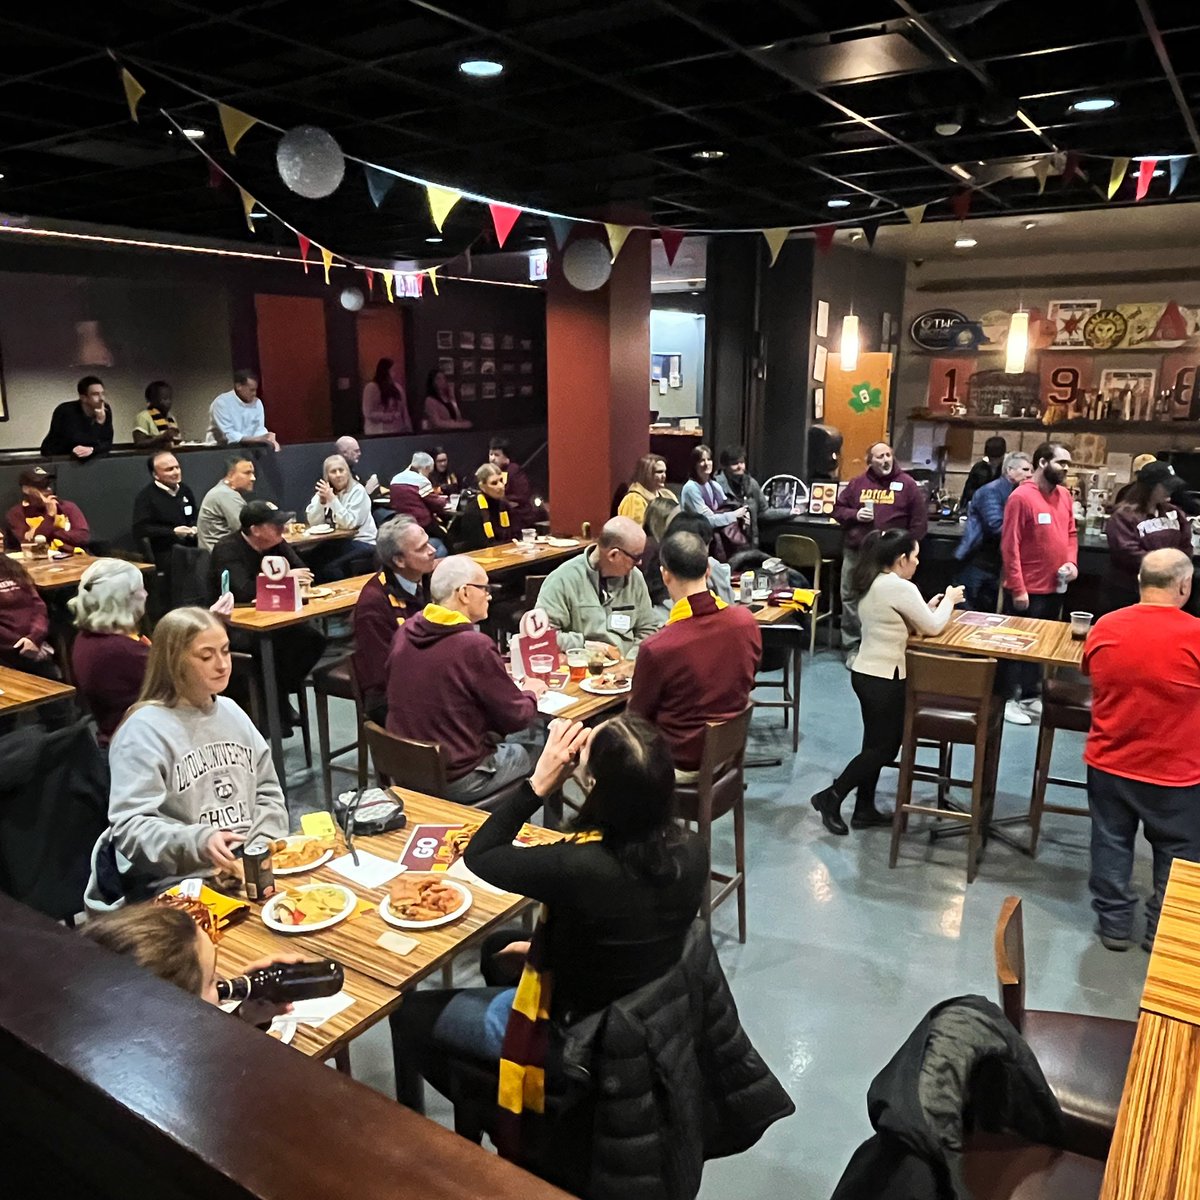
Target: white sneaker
(1014,714)
(1032,706)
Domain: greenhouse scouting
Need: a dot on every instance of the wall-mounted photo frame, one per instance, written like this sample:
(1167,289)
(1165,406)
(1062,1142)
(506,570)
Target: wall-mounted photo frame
(507,341)
(527,368)
(487,390)
(487,366)
(466,339)
(466,391)
(508,368)
(818,404)
(466,366)
(446,366)
(663,366)
(487,341)
(445,339)
(509,391)
(526,343)
(526,389)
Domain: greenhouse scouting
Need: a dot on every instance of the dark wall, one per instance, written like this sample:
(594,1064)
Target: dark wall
(731,343)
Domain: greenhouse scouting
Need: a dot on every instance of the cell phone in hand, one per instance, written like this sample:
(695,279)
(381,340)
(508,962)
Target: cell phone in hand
(224,581)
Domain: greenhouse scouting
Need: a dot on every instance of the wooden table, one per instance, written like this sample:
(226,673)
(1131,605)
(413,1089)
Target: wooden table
(1156,1146)
(377,977)
(1052,645)
(20,691)
(498,561)
(305,541)
(50,575)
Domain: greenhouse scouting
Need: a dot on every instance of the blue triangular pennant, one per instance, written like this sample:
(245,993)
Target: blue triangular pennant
(1177,169)
(560,227)
(379,183)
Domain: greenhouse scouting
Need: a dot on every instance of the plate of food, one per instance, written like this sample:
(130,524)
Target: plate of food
(291,855)
(424,902)
(315,593)
(607,683)
(316,530)
(562,543)
(308,908)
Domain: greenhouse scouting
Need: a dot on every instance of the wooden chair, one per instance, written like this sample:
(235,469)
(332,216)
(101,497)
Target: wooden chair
(1084,1059)
(720,787)
(804,555)
(950,701)
(338,679)
(1066,704)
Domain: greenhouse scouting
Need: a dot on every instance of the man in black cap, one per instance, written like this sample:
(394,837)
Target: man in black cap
(298,648)
(41,514)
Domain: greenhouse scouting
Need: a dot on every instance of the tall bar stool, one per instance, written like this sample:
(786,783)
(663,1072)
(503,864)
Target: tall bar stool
(949,702)
(338,679)
(1066,704)
(803,554)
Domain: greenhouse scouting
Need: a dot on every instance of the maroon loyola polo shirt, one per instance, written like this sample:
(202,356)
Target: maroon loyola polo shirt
(699,668)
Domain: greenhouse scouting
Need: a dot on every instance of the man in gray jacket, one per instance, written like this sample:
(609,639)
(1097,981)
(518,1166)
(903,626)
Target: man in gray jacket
(221,508)
(743,489)
(600,595)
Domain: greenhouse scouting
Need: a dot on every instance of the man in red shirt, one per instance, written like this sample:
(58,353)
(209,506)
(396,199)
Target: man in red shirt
(1040,552)
(1143,751)
(700,667)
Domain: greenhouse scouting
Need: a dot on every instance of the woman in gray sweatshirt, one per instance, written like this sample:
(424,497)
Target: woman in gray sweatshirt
(191,776)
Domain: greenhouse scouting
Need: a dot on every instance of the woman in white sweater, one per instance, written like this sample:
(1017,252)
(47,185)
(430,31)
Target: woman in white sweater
(891,610)
(341,501)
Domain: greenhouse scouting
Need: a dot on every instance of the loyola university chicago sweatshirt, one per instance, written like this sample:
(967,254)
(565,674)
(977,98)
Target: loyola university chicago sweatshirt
(178,774)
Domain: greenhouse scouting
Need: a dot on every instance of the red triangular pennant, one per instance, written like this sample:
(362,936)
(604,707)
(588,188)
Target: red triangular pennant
(304,247)
(1171,325)
(370,282)
(671,239)
(1145,174)
(823,236)
(216,177)
(1071,168)
(504,217)
(960,202)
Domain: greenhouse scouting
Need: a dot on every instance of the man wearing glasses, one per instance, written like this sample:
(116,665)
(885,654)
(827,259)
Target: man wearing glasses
(601,596)
(446,683)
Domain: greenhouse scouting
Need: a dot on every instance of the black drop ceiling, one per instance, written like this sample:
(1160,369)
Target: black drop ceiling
(598,113)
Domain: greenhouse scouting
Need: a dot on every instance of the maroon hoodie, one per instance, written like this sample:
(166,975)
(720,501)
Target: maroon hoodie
(22,614)
(446,683)
(899,504)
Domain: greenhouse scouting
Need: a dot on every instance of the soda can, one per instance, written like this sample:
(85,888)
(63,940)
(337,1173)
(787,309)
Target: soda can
(259,869)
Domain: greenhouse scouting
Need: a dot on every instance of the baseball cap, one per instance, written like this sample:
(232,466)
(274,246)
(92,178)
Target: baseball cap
(36,477)
(1157,472)
(263,512)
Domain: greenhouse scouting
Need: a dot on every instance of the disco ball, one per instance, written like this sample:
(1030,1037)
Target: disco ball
(351,299)
(310,162)
(586,264)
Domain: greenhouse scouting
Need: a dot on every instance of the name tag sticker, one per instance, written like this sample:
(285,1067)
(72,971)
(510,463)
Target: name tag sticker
(1043,518)
(897,486)
(620,622)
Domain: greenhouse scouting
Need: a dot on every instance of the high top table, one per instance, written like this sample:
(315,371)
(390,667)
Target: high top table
(53,574)
(513,557)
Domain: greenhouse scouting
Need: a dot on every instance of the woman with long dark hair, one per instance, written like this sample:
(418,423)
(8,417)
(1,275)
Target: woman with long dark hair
(444,480)
(441,408)
(384,405)
(891,609)
(619,892)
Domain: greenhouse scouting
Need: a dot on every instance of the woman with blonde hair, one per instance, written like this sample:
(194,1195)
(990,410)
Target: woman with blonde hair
(108,658)
(649,484)
(659,513)
(484,515)
(341,501)
(192,779)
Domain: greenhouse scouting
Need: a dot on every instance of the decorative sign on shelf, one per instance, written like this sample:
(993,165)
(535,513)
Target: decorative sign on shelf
(999,394)
(1069,318)
(948,379)
(946,329)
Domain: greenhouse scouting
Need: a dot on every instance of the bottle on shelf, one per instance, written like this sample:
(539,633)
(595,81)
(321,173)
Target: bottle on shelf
(284,983)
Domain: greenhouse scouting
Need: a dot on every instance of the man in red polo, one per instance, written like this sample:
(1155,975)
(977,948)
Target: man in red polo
(700,667)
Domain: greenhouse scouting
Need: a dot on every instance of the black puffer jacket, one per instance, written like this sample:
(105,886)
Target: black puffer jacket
(963,1068)
(657,1083)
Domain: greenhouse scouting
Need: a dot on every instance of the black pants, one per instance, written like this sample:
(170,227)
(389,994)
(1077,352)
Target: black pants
(882,704)
(1020,681)
(298,649)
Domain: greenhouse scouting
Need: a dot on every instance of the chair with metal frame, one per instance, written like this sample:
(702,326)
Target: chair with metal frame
(337,679)
(804,555)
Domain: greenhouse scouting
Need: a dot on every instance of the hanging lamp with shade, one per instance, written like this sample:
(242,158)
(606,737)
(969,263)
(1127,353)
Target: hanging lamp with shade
(848,348)
(1017,347)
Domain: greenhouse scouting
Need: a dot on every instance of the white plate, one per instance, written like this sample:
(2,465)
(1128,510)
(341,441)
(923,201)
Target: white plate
(312,866)
(589,685)
(313,530)
(283,1029)
(562,543)
(268,912)
(385,908)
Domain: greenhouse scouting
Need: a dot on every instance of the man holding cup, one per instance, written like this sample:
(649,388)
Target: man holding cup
(1040,551)
(883,497)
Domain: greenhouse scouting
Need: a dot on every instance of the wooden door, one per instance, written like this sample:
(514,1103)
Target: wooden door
(856,402)
(293,359)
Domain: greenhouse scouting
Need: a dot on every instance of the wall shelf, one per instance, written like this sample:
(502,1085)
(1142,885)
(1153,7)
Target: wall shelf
(1078,426)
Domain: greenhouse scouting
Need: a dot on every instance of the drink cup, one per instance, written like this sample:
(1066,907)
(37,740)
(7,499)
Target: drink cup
(577,660)
(597,661)
(529,537)
(1081,622)
(541,665)
(869,505)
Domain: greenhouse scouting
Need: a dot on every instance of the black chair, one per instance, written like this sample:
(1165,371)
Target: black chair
(189,577)
(337,679)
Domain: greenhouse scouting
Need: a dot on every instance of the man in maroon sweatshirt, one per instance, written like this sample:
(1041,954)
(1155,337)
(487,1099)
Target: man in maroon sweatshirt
(517,488)
(700,667)
(883,497)
(446,683)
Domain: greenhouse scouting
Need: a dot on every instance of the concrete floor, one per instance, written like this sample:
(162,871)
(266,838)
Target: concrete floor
(844,956)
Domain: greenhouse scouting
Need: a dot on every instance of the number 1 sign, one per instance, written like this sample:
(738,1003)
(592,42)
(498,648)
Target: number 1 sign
(948,384)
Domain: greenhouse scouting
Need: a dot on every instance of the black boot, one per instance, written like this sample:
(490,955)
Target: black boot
(867,818)
(829,805)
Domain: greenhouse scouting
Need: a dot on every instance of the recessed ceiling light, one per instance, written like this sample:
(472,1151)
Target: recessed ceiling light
(964,243)
(1093,104)
(947,128)
(433,239)
(960,171)
(1030,224)
(257,216)
(1,174)
(708,155)
(194,134)
(537,237)
(837,203)
(481,68)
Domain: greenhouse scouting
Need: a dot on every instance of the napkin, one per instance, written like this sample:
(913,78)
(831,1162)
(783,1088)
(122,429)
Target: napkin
(321,1009)
(371,872)
(552,703)
(460,870)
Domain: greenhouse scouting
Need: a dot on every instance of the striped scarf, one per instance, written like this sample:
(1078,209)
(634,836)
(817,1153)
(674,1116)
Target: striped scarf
(682,609)
(61,521)
(391,591)
(522,1094)
(489,530)
(162,421)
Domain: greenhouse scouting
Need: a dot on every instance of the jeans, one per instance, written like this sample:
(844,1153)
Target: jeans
(982,586)
(851,626)
(506,764)
(1019,681)
(1171,818)
(882,703)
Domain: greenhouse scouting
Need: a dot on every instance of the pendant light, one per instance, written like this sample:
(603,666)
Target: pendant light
(1018,343)
(849,345)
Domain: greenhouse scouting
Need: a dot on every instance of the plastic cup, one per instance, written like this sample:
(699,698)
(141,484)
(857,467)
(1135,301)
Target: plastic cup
(541,666)
(1081,622)
(577,660)
(529,537)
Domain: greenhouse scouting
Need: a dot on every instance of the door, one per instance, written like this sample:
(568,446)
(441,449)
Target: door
(293,358)
(856,402)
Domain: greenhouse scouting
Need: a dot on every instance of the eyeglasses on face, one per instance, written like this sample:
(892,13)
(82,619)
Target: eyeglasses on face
(636,559)
(483,587)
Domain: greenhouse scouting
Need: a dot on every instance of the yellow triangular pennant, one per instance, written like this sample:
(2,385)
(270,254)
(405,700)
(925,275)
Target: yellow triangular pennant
(775,239)
(616,238)
(326,260)
(133,92)
(387,283)
(247,205)
(1041,169)
(1119,167)
(916,214)
(441,201)
(432,272)
(235,123)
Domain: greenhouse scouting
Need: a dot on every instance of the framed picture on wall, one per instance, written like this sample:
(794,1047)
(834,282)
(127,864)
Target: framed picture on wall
(487,366)
(466,366)
(508,368)
(526,343)
(466,339)
(487,389)
(445,339)
(509,391)
(526,389)
(487,341)
(446,366)
(818,404)
(527,368)
(466,391)
(506,341)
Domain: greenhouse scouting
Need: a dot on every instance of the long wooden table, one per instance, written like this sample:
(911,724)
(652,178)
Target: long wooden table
(52,574)
(1156,1146)
(20,691)
(1005,637)
(305,541)
(377,977)
(499,561)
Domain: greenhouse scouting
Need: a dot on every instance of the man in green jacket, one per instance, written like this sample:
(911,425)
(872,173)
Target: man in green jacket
(600,595)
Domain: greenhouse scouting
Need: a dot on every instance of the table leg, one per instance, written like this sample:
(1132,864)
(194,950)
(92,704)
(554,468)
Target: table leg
(271,696)
(797,660)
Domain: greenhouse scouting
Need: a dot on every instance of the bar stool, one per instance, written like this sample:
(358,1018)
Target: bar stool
(1066,704)
(338,679)
(803,554)
(949,701)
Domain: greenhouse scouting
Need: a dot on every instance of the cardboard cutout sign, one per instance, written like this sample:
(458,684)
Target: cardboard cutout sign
(535,637)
